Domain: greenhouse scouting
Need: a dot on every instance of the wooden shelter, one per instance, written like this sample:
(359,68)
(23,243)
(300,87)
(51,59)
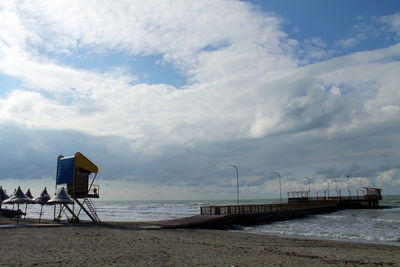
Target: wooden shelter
(373,193)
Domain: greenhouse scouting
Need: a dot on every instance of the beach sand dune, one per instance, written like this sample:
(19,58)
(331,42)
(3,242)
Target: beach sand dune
(133,244)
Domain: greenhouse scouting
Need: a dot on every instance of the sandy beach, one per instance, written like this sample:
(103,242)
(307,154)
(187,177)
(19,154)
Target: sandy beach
(140,244)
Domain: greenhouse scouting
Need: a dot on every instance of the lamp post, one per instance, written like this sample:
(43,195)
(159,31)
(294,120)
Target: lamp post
(309,187)
(280,186)
(328,188)
(237,181)
(337,193)
(348,185)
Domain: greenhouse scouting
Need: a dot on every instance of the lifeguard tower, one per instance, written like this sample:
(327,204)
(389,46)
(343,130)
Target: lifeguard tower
(76,171)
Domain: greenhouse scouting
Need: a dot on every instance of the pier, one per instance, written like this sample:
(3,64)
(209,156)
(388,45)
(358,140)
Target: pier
(299,205)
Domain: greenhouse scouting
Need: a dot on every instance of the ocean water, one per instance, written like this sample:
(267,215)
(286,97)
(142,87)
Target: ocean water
(368,225)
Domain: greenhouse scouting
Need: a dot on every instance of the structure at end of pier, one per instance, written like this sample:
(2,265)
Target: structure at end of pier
(369,199)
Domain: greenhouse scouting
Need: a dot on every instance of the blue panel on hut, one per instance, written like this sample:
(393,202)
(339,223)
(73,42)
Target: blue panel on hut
(65,170)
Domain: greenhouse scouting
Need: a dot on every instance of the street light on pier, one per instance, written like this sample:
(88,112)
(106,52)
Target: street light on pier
(308,179)
(280,186)
(337,193)
(328,188)
(348,185)
(237,181)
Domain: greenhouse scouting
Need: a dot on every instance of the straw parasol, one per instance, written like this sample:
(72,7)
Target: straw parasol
(3,195)
(42,200)
(28,194)
(61,198)
(18,197)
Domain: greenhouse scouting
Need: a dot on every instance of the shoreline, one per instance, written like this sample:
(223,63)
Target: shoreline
(150,225)
(383,243)
(141,244)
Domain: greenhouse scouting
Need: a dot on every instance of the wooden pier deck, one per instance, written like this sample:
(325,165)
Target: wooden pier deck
(196,221)
(217,217)
(222,217)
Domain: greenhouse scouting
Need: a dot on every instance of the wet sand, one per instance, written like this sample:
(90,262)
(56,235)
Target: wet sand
(140,244)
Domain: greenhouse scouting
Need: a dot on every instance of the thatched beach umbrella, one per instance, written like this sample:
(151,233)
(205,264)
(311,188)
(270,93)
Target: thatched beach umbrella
(3,195)
(15,190)
(42,200)
(61,198)
(29,195)
(18,198)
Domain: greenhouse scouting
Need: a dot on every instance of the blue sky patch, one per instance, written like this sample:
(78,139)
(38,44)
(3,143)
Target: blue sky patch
(149,69)
(335,21)
(8,83)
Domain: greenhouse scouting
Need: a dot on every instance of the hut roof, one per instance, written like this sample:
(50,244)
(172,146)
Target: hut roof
(373,188)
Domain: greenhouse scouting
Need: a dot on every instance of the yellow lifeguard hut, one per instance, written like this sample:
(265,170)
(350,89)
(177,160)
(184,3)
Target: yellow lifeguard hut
(75,171)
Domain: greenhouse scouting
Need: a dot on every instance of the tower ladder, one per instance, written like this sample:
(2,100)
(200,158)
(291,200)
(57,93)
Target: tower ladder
(91,211)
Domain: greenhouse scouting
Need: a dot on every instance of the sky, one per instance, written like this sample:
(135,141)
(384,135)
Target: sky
(165,95)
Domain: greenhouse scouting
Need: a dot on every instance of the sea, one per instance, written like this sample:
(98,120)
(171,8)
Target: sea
(367,225)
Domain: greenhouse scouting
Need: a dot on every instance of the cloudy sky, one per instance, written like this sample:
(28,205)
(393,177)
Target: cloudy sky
(164,95)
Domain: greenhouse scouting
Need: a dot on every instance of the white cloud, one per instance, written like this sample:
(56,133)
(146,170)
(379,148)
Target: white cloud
(393,21)
(156,113)
(262,124)
(245,88)
(150,27)
(313,49)
(348,43)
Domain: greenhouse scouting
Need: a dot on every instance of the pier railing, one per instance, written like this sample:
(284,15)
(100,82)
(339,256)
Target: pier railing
(264,208)
(355,198)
